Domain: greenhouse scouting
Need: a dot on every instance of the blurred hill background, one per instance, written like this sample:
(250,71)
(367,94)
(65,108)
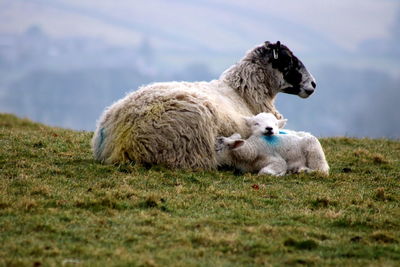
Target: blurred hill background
(63,61)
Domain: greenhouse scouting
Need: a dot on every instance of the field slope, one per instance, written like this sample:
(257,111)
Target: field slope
(59,207)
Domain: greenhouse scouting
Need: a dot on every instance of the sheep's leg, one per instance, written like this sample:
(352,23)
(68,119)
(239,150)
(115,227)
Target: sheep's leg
(276,167)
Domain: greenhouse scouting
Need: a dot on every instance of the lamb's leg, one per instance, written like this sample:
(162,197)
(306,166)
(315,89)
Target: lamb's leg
(304,169)
(315,155)
(276,167)
(299,169)
(298,164)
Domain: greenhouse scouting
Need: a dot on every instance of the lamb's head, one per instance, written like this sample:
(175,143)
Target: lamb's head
(289,74)
(224,146)
(265,124)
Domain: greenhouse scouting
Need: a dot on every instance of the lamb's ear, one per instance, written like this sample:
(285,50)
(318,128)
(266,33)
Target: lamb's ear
(248,121)
(237,143)
(220,140)
(282,123)
(235,136)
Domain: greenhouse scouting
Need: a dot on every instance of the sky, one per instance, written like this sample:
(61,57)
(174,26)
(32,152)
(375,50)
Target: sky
(346,23)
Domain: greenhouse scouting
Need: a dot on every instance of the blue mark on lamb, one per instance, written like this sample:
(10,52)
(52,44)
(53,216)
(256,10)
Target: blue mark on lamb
(272,139)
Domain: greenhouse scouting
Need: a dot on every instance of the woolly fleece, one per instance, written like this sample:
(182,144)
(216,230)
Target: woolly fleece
(176,123)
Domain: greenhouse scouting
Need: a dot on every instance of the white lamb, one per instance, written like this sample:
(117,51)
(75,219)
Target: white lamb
(270,150)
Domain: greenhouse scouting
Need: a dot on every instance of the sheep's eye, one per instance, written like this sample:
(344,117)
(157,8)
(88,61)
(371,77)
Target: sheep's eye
(256,124)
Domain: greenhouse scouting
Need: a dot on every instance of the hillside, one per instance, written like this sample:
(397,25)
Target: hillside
(59,207)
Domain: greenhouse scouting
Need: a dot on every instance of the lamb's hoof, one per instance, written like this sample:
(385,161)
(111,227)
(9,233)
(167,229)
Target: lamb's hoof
(301,170)
(270,172)
(305,170)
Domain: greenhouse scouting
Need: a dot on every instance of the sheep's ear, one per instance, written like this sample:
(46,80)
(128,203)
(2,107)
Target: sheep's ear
(237,144)
(275,49)
(282,123)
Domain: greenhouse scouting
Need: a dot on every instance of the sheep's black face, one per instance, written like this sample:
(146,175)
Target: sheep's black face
(298,80)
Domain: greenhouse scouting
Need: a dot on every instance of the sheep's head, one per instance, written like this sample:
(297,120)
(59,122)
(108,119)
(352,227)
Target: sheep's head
(223,147)
(265,124)
(293,77)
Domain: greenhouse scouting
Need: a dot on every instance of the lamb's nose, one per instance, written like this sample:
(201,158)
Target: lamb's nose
(269,129)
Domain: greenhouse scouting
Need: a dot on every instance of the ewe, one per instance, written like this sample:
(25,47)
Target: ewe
(271,151)
(176,123)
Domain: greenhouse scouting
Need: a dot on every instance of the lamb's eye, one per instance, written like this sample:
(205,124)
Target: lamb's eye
(256,124)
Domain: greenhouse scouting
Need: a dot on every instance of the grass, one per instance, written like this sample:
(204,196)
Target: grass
(60,207)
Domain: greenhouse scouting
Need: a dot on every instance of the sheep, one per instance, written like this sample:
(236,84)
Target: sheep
(175,124)
(272,151)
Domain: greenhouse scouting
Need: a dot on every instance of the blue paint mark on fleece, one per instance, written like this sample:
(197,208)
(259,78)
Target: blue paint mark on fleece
(101,139)
(272,139)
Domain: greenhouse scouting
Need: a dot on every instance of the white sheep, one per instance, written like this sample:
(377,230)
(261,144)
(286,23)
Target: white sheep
(270,150)
(176,123)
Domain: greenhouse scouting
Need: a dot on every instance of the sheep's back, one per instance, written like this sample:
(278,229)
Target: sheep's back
(168,123)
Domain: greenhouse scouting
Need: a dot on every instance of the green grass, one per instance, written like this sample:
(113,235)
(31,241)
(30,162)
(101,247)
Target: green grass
(60,207)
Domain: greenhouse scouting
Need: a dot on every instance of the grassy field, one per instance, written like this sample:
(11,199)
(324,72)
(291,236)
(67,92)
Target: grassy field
(59,207)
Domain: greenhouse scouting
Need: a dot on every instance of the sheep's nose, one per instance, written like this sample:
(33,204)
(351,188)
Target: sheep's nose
(269,129)
(308,91)
(313,85)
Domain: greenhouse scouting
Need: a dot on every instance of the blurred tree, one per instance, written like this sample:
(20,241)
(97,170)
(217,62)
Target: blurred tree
(379,116)
(146,51)
(395,30)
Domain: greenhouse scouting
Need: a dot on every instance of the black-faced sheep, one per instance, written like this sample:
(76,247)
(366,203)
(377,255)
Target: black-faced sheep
(272,151)
(176,123)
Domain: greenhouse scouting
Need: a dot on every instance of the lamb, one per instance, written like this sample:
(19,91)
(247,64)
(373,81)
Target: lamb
(270,150)
(175,124)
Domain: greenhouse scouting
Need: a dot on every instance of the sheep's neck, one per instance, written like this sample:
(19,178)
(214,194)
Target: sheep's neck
(267,105)
(255,85)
